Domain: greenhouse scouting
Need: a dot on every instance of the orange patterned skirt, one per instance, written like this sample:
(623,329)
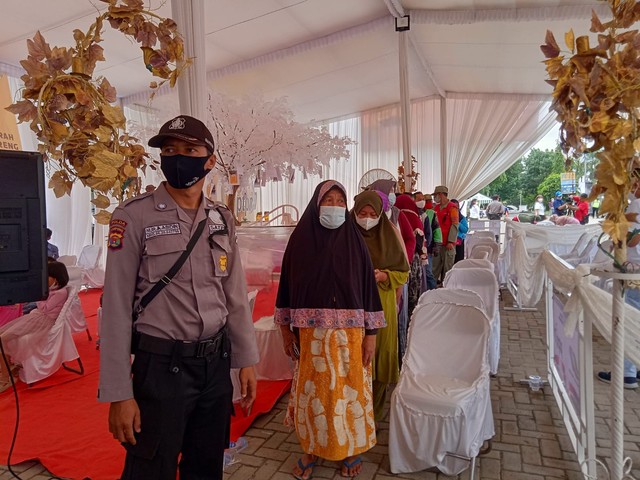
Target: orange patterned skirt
(331,403)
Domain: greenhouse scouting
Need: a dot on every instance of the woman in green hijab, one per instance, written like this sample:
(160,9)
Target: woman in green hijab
(391,271)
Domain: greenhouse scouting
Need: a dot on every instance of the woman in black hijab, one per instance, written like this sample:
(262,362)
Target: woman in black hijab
(328,294)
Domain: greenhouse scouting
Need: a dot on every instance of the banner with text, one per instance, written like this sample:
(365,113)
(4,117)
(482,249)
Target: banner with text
(9,136)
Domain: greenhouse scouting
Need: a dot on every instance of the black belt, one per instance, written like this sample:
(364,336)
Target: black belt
(164,346)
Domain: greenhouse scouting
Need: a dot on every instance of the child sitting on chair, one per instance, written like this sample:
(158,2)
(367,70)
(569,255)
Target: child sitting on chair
(23,336)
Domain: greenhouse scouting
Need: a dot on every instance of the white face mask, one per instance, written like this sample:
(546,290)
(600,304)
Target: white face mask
(392,199)
(421,203)
(367,222)
(332,217)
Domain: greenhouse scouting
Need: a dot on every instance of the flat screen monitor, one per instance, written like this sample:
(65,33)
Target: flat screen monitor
(23,243)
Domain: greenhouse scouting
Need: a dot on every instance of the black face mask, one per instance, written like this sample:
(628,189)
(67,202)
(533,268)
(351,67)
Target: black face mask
(182,171)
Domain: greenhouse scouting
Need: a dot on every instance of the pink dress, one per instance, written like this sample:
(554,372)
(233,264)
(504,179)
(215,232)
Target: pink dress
(25,335)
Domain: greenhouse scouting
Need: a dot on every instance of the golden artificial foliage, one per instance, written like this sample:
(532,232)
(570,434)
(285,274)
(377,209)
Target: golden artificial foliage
(82,134)
(596,95)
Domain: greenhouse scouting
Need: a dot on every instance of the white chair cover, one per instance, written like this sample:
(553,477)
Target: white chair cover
(75,315)
(89,262)
(484,234)
(442,402)
(274,363)
(490,246)
(68,260)
(457,296)
(59,348)
(484,283)
(474,263)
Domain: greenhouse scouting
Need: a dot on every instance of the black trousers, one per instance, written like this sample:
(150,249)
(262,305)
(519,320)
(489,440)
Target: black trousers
(185,408)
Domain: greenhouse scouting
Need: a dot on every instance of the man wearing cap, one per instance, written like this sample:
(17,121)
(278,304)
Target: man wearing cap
(559,206)
(448,218)
(580,209)
(175,400)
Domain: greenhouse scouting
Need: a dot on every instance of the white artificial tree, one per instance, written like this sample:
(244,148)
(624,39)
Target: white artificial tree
(259,139)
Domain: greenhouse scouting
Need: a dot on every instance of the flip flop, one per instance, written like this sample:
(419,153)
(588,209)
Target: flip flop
(351,465)
(304,468)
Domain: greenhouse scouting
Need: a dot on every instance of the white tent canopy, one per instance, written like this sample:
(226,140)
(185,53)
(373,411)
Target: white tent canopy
(475,74)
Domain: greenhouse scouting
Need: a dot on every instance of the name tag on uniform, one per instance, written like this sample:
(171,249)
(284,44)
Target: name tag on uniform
(158,230)
(216,228)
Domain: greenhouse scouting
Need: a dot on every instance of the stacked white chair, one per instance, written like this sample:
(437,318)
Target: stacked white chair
(441,408)
(75,317)
(68,260)
(484,283)
(586,254)
(58,349)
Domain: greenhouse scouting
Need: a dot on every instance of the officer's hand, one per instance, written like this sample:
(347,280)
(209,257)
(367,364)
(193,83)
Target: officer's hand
(248,386)
(368,349)
(124,419)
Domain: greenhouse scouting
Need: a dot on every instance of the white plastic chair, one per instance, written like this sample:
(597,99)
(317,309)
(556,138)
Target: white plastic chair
(484,283)
(58,349)
(441,408)
(584,255)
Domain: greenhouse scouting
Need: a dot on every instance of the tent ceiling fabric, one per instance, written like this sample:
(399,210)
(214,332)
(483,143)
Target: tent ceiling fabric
(331,58)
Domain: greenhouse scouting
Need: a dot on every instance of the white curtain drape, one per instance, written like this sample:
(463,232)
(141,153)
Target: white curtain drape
(486,134)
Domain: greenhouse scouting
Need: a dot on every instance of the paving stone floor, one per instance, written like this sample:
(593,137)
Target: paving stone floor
(531,442)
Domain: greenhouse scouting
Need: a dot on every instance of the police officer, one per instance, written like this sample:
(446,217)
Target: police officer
(176,398)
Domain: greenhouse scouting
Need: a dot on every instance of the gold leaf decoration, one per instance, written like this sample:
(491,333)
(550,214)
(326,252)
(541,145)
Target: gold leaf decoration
(81,133)
(596,98)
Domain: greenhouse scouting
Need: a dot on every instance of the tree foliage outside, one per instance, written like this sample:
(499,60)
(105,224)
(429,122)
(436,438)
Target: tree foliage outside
(528,177)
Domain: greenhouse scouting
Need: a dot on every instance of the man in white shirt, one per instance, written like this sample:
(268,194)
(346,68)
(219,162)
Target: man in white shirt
(538,207)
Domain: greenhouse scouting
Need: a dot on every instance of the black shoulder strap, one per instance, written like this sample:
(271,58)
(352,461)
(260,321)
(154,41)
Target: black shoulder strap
(166,280)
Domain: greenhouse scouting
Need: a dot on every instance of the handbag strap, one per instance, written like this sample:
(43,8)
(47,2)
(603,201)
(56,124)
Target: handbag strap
(166,279)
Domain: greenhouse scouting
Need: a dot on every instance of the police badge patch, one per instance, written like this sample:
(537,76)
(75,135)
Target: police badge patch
(116,234)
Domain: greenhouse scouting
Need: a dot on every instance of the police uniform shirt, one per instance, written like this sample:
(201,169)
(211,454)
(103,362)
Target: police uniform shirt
(147,234)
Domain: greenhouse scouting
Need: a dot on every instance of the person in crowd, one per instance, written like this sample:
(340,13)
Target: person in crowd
(580,209)
(495,209)
(391,271)
(448,218)
(595,207)
(463,228)
(421,203)
(563,220)
(474,210)
(559,206)
(538,208)
(329,311)
(25,335)
(419,254)
(632,295)
(174,403)
(434,242)
(52,250)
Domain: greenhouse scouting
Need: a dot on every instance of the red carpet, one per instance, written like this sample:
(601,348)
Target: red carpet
(63,425)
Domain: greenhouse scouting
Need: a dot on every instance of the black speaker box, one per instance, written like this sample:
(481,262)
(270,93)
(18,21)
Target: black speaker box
(23,250)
